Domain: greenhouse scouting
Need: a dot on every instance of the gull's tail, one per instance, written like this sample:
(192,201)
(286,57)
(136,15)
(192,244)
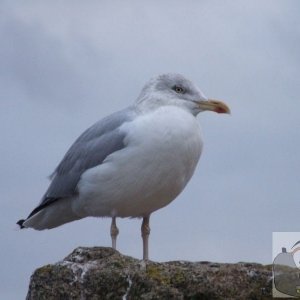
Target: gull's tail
(49,215)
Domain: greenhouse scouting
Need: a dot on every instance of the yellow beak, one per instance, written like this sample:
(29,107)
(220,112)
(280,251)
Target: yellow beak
(214,105)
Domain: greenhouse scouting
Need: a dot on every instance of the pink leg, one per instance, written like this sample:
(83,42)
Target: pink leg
(145,229)
(114,231)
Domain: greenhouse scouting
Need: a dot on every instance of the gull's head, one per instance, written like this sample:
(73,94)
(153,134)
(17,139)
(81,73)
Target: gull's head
(174,89)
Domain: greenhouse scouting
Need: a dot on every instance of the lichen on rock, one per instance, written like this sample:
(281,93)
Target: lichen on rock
(103,273)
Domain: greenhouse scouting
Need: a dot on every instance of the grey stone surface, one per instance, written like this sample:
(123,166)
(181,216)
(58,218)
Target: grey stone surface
(103,273)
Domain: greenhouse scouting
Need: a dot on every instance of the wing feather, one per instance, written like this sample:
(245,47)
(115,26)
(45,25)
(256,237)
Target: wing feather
(88,151)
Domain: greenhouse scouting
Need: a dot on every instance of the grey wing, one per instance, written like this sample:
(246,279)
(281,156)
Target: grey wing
(88,151)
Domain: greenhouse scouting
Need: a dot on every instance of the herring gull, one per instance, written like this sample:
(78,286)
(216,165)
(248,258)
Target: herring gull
(130,163)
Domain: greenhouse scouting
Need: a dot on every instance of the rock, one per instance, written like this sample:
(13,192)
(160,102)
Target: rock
(103,273)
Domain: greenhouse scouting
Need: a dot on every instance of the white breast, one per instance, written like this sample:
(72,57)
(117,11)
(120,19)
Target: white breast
(161,153)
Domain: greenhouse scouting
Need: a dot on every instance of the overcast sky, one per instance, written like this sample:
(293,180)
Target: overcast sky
(66,64)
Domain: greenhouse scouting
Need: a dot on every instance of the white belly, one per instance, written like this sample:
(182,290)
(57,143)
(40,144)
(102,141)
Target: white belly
(159,159)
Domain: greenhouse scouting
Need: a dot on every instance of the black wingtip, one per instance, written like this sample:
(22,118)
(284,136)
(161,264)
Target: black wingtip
(46,202)
(20,223)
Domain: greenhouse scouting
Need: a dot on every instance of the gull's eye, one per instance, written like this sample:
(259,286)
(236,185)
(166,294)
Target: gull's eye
(179,89)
